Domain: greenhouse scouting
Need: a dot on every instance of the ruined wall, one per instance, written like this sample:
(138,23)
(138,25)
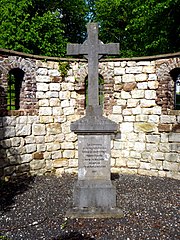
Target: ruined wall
(138,95)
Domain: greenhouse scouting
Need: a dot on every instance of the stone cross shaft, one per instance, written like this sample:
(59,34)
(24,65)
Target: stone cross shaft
(93,49)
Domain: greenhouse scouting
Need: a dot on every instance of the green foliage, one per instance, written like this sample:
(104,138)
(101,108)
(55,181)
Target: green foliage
(44,27)
(142,27)
(41,26)
(63,68)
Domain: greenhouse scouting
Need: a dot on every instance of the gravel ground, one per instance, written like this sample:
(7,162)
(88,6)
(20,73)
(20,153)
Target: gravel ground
(34,209)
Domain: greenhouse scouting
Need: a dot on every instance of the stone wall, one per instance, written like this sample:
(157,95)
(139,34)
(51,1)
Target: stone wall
(138,95)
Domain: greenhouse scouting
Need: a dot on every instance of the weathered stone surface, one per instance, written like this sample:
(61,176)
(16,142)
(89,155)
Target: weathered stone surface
(127,87)
(164,127)
(23,130)
(38,155)
(54,128)
(38,129)
(128,78)
(144,127)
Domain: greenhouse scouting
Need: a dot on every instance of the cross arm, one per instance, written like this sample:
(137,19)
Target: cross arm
(76,49)
(110,48)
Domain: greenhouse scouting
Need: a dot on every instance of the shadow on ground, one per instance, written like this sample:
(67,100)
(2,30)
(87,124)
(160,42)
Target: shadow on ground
(12,188)
(74,236)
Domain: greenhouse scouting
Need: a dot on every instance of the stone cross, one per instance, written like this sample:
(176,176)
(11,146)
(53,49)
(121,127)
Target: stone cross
(93,49)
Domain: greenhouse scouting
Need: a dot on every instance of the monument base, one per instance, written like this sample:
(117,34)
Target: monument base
(94,199)
(94,193)
(92,212)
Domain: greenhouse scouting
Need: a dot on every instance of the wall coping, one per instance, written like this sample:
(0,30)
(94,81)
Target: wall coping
(47,58)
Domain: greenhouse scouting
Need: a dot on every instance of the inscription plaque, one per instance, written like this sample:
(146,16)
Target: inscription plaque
(94,157)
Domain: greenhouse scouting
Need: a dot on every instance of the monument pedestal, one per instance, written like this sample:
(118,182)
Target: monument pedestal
(94,195)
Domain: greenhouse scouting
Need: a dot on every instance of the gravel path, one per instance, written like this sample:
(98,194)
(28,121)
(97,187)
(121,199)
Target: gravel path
(34,209)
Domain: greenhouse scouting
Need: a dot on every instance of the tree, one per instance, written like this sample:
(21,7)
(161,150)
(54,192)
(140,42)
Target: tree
(142,27)
(41,26)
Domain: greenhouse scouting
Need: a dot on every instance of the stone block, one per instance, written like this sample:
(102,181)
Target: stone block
(119,71)
(153,118)
(129,118)
(152,147)
(143,63)
(37,164)
(23,130)
(54,102)
(142,85)
(128,87)
(43,79)
(125,95)
(26,158)
(144,127)
(163,127)
(38,155)
(136,110)
(145,165)
(64,95)
(150,172)
(153,138)
(54,86)
(141,118)
(164,147)
(149,69)
(128,78)
(172,157)
(152,76)
(139,146)
(30,148)
(141,77)
(131,103)
(137,93)
(46,119)
(57,111)
(39,139)
(171,166)
(41,147)
(45,111)
(133,70)
(67,145)
(135,154)
(126,127)
(56,154)
(22,120)
(42,71)
(38,129)
(146,103)
(133,164)
(67,86)
(52,94)
(40,95)
(65,103)
(167,119)
(8,132)
(117,109)
(120,162)
(53,128)
(61,162)
(158,156)
(53,73)
(43,103)
(150,94)
(174,137)
(117,79)
(52,146)
(68,154)
(43,87)
(153,84)
(68,111)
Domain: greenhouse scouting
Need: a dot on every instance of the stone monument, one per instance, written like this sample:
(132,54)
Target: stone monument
(94,195)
